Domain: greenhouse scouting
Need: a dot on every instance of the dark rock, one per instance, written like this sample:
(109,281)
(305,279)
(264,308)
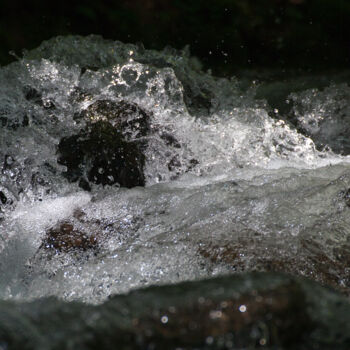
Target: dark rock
(66,237)
(250,311)
(170,140)
(91,68)
(32,94)
(101,155)
(133,124)
(13,123)
(310,260)
(84,184)
(199,99)
(174,163)
(81,233)
(25,121)
(3,198)
(267,318)
(109,149)
(127,118)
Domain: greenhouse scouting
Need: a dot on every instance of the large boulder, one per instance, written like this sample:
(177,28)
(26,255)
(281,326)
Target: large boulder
(249,311)
(108,150)
(128,118)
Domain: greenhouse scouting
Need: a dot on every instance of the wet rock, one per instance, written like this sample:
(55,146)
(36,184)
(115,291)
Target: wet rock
(346,196)
(170,140)
(65,237)
(81,233)
(309,260)
(74,234)
(323,115)
(342,254)
(3,201)
(197,100)
(109,149)
(13,123)
(90,68)
(127,118)
(3,198)
(273,317)
(32,94)
(100,154)
(250,311)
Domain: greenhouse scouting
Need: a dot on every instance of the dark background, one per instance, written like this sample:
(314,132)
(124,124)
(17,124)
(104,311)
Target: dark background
(227,35)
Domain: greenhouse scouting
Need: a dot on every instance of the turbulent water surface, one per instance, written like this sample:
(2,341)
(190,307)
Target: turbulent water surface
(225,175)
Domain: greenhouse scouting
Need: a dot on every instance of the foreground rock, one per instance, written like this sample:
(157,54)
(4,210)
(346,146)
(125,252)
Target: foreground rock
(243,311)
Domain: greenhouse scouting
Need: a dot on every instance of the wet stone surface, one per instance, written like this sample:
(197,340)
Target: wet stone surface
(129,119)
(308,261)
(79,235)
(276,317)
(250,311)
(65,237)
(101,155)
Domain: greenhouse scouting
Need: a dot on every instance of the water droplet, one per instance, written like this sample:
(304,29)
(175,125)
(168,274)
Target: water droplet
(242,308)
(209,340)
(164,319)
(262,341)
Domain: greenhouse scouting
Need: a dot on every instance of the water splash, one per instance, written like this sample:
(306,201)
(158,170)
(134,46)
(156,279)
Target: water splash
(228,185)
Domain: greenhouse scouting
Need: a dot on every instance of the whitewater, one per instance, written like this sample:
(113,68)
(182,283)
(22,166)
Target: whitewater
(228,179)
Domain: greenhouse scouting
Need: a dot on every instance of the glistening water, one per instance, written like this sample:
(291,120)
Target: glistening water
(163,173)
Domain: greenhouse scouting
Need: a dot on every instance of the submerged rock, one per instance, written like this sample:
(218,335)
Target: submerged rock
(311,260)
(66,237)
(81,233)
(234,312)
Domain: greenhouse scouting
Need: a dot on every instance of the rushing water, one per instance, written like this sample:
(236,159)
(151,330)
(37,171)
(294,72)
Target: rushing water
(237,175)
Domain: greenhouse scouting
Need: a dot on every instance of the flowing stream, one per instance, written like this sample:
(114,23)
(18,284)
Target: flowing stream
(231,175)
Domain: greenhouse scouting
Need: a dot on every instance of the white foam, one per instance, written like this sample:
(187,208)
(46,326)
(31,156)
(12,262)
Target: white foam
(239,172)
(35,217)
